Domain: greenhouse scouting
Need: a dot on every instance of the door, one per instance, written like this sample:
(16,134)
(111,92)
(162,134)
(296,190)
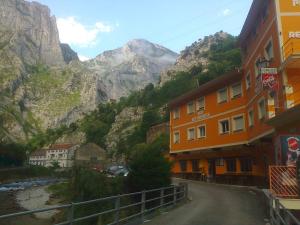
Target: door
(212,168)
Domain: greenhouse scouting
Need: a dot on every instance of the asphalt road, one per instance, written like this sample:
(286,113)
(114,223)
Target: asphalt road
(213,204)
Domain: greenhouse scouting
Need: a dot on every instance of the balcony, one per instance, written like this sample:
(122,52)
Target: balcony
(291,53)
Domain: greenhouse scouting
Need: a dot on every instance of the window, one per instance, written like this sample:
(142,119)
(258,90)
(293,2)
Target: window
(246,164)
(248,81)
(256,68)
(195,165)
(183,165)
(224,127)
(238,123)
(191,133)
(269,53)
(262,109)
(201,104)
(190,107)
(176,113)
(176,137)
(222,95)
(236,90)
(250,118)
(220,162)
(231,165)
(202,131)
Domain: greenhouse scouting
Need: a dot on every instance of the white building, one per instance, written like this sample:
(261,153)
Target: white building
(38,158)
(63,154)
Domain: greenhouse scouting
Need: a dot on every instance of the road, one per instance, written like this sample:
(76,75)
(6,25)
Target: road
(213,204)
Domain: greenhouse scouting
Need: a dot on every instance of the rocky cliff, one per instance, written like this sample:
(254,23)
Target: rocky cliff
(131,67)
(49,85)
(193,55)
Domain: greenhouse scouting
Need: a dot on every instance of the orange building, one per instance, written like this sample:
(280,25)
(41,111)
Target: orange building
(228,127)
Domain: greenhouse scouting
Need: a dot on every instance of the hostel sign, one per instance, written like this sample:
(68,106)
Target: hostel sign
(269,78)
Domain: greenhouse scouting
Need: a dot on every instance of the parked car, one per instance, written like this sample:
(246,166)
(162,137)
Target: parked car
(117,170)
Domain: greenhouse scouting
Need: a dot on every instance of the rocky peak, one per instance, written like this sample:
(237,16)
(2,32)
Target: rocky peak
(68,53)
(193,55)
(131,67)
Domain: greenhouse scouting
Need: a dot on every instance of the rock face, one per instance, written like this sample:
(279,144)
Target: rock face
(131,67)
(193,55)
(31,32)
(124,125)
(47,83)
(68,53)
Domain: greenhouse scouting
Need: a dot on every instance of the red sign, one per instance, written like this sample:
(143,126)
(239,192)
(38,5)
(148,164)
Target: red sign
(293,144)
(269,78)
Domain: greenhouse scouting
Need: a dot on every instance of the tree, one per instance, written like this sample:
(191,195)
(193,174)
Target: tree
(148,167)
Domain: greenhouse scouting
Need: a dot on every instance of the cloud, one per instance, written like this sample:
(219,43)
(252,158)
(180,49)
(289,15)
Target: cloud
(83,58)
(226,12)
(73,32)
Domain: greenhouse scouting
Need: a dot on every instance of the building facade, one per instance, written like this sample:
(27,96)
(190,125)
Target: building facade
(222,130)
(63,154)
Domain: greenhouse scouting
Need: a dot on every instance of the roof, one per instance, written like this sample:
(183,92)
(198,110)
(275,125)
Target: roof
(288,117)
(208,87)
(252,16)
(41,152)
(61,146)
(90,149)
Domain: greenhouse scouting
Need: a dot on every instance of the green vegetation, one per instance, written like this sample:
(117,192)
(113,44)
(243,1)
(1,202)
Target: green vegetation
(149,168)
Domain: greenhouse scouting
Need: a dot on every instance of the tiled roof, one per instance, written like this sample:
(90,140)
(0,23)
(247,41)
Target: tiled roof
(41,152)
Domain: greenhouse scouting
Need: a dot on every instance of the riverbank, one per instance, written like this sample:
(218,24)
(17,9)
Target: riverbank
(28,199)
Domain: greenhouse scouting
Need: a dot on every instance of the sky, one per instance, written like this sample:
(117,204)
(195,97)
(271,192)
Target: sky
(93,26)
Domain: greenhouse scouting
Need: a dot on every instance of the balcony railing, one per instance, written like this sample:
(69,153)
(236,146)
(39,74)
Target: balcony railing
(291,47)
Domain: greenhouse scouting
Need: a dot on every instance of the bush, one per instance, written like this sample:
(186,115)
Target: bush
(148,167)
(86,185)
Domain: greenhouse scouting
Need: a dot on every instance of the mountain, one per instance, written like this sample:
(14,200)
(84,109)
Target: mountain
(194,55)
(46,83)
(131,67)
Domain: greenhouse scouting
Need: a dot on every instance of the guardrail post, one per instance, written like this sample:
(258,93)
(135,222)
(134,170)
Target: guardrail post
(71,214)
(271,205)
(143,206)
(174,195)
(161,197)
(117,208)
(277,211)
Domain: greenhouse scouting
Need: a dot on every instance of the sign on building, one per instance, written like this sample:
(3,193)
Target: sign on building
(296,2)
(290,146)
(269,77)
(294,34)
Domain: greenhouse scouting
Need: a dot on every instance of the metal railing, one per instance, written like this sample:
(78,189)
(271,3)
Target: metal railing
(291,47)
(279,215)
(283,182)
(141,203)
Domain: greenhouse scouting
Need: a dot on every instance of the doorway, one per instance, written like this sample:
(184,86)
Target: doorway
(211,168)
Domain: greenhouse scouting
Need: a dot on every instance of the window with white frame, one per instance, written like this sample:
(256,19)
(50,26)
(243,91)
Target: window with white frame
(224,126)
(191,134)
(248,80)
(202,131)
(190,107)
(222,95)
(238,123)
(176,137)
(262,112)
(201,103)
(250,118)
(176,113)
(236,90)
(269,52)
